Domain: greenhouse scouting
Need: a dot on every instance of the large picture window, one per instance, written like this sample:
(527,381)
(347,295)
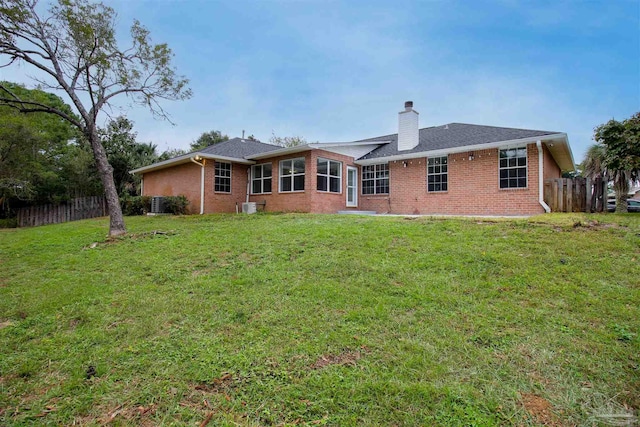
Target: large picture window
(292,175)
(375,179)
(437,174)
(513,168)
(261,178)
(329,176)
(222,181)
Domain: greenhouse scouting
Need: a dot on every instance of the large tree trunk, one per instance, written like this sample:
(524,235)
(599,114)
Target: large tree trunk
(621,188)
(116,220)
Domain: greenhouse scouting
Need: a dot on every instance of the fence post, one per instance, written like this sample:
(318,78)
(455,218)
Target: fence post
(560,195)
(569,205)
(588,191)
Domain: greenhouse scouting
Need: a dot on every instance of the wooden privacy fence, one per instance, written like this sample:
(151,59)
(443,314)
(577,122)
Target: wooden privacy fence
(76,209)
(568,194)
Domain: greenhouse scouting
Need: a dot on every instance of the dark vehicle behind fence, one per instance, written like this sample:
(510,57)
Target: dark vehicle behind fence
(632,206)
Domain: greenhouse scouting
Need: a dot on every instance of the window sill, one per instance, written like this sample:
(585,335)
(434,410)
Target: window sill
(260,194)
(291,192)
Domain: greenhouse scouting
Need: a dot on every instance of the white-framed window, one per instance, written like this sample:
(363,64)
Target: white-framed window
(292,175)
(222,180)
(375,179)
(261,178)
(513,168)
(437,174)
(329,176)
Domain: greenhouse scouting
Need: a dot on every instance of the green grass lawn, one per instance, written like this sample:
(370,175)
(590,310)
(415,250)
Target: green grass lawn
(322,320)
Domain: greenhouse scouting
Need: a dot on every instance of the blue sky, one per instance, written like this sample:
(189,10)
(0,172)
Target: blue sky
(338,71)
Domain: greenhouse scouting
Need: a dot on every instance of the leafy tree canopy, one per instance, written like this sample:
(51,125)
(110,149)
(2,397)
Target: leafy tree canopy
(170,154)
(207,139)
(621,141)
(287,141)
(617,154)
(33,150)
(125,153)
(74,48)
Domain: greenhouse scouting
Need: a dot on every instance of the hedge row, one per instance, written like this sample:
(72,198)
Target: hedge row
(141,205)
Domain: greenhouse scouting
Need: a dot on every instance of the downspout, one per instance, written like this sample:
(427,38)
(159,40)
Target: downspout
(195,160)
(142,185)
(248,182)
(546,207)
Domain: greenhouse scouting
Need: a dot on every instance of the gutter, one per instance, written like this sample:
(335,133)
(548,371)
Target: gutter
(195,160)
(461,149)
(546,207)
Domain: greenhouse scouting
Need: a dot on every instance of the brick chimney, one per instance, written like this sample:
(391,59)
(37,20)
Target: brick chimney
(407,127)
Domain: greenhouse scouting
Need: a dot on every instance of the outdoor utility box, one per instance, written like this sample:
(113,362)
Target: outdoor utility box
(157,204)
(249,207)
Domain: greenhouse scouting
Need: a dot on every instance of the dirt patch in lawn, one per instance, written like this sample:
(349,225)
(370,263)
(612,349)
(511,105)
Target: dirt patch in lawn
(347,358)
(218,385)
(540,410)
(124,413)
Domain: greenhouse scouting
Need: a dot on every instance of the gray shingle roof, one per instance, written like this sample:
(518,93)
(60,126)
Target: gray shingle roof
(238,148)
(451,136)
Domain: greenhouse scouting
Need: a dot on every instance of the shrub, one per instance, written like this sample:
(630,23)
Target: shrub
(8,223)
(176,205)
(140,205)
(137,205)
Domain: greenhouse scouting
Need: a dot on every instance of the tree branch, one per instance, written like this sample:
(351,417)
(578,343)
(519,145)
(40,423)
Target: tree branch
(33,107)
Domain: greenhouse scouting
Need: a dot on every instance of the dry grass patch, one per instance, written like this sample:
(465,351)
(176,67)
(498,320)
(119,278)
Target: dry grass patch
(540,410)
(347,358)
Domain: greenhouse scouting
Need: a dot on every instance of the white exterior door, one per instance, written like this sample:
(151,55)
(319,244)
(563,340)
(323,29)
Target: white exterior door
(352,186)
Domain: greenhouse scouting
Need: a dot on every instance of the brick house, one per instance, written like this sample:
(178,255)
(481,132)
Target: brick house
(458,169)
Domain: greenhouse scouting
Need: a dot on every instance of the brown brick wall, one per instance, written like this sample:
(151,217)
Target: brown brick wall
(285,202)
(311,200)
(325,202)
(473,188)
(181,179)
(185,179)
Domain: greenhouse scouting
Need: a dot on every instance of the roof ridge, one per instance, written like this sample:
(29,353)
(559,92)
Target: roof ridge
(501,127)
(230,140)
(258,141)
(393,134)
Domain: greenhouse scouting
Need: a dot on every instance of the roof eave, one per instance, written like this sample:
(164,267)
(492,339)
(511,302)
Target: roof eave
(312,146)
(185,158)
(281,152)
(454,150)
(563,154)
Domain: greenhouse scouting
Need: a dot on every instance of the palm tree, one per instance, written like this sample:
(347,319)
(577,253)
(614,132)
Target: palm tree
(620,143)
(594,168)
